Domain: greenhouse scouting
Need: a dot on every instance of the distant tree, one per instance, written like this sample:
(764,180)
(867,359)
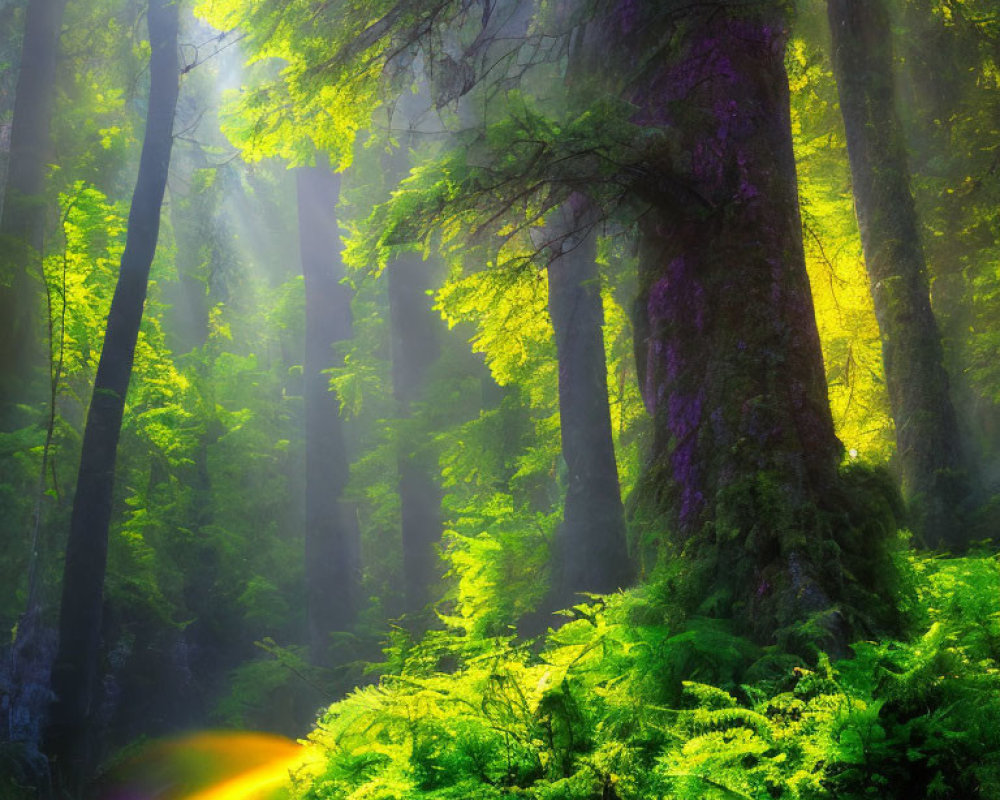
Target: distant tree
(414,350)
(934,469)
(331,537)
(590,553)
(22,221)
(75,673)
(949,107)
(679,127)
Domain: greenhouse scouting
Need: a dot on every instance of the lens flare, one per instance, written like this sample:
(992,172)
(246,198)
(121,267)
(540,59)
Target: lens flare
(211,766)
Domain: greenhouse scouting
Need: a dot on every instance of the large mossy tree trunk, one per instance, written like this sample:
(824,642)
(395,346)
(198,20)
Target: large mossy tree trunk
(743,468)
(22,223)
(331,536)
(935,473)
(70,738)
(590,552)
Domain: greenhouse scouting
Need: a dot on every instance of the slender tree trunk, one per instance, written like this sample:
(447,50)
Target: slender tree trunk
(415,348)
(590,550)
(22,223)
(928,445)
(332,537)
(75,673)
(194,216)
(743,469)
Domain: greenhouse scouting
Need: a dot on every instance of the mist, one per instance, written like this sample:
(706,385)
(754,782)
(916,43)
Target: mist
(578,400)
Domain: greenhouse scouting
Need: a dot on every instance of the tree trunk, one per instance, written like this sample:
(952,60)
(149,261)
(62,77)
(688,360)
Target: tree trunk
(590,553)
(743,470)
(22,222)
(928,445)
(332,537)
(415,348)
(75,672)
(193,215)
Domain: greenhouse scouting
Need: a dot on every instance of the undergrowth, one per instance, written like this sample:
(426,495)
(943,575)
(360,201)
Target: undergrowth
(618,703)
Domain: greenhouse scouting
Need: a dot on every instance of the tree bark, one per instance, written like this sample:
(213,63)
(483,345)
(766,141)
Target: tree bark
(934,470)
(332,537)
(590,552)
(75,672)
(22,222)
(415,348)
(743,469)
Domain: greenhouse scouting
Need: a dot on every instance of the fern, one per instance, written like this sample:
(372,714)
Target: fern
(617,703)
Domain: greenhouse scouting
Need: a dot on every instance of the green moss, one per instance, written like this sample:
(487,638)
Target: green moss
(785,570)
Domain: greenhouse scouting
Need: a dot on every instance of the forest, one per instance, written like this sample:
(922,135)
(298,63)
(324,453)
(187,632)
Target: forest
(482,399)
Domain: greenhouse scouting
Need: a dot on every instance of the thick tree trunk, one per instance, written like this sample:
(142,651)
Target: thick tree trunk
(590,553)
(22,223)
(744,464)
(332,537)
(928,445)
(415,348)
(75,673)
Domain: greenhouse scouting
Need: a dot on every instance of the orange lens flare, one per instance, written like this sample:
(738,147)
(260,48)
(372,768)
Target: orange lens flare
(211,766)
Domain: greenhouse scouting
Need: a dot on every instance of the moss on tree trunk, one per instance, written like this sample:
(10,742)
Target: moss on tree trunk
(743,470)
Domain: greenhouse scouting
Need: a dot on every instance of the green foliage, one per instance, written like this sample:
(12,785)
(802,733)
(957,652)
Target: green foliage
(646,694)
(849,332)
(489,564)
(496,184)
(18,771)
(20,459)
(619,702)
(96,124)
(310,105)
(512,326)
(271,690)
(498,469)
